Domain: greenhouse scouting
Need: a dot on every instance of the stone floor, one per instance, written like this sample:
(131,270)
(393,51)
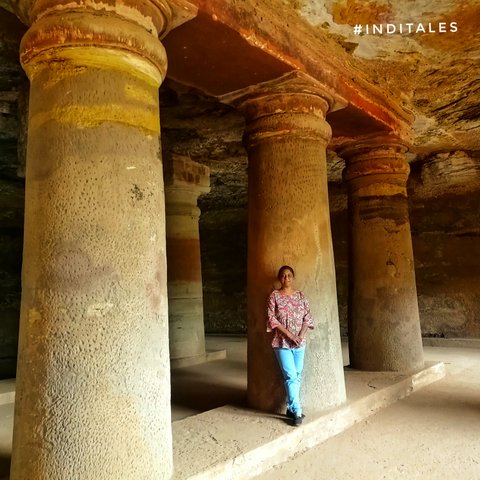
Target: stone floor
(434,434)
(218,389)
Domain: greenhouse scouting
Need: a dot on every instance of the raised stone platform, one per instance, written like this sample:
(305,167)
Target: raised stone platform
(209,356)
(7,391)
(451,342)
(237,443)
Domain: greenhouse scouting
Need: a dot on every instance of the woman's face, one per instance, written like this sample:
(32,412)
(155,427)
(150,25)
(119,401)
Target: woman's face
(286,278)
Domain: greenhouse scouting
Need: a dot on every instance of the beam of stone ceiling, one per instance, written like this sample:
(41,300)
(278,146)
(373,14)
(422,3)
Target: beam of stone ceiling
(277,40)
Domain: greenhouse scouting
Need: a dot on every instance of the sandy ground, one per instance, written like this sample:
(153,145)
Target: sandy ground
(433,434)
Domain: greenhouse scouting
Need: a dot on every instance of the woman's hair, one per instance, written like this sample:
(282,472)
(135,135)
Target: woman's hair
(284,267)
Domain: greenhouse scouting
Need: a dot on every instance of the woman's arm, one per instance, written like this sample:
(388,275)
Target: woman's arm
(272,321)
(307,318)
(303,331)
(287,333)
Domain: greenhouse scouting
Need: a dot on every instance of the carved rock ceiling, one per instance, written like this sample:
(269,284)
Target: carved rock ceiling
(436,75)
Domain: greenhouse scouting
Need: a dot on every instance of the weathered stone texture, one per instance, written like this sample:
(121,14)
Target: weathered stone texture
(93,300)
(445,228)
(446,173)
(289,224)
(93,364)
(444,206)
(433,74)
(383,318)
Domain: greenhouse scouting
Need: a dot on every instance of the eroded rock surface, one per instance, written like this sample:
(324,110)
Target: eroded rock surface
(433,73)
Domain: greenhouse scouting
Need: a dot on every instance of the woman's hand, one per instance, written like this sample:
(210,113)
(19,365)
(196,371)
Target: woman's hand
(297,340)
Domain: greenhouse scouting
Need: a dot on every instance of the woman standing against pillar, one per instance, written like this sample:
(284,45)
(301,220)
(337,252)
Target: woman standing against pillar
(289,318)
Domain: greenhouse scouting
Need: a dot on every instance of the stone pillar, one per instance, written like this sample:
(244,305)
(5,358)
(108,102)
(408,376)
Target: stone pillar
(185,180)
(383,320)
(93,383)
(289,223)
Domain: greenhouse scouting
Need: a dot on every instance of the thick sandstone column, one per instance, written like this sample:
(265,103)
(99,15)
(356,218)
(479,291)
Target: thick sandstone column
(185,180)
(384,325)
(286,137)
(93,385)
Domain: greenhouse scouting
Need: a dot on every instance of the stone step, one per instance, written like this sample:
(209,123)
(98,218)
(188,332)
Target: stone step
(6,430)
(208,356)
(7,391)
(451,342)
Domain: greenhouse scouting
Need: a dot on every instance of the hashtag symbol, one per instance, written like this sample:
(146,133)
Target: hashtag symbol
(357,29)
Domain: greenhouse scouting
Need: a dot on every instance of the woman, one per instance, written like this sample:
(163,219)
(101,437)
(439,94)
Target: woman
(289,318)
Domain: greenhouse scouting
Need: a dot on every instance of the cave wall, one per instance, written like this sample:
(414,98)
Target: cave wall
(444,192)
(13,113)
(11,239)
(446,247)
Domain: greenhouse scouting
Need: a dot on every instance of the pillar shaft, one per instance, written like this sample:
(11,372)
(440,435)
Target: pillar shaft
(185,180)
(289,223)
(93,384)
(384,325)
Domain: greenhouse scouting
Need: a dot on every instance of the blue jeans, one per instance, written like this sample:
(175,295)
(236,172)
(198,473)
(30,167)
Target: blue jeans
(291,363)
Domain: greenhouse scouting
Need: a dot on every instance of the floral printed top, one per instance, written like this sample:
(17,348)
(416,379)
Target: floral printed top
(290,311)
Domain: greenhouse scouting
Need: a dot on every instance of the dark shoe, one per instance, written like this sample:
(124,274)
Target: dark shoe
(291,415)
(297,421)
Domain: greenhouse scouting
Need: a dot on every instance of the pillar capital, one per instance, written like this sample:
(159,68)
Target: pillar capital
(185,180)
(182,172)
(294,105)
(293,92)
(171,13)
(122,34)
(375,160)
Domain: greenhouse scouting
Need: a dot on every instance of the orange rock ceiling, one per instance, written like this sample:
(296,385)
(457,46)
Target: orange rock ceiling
(422,86)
